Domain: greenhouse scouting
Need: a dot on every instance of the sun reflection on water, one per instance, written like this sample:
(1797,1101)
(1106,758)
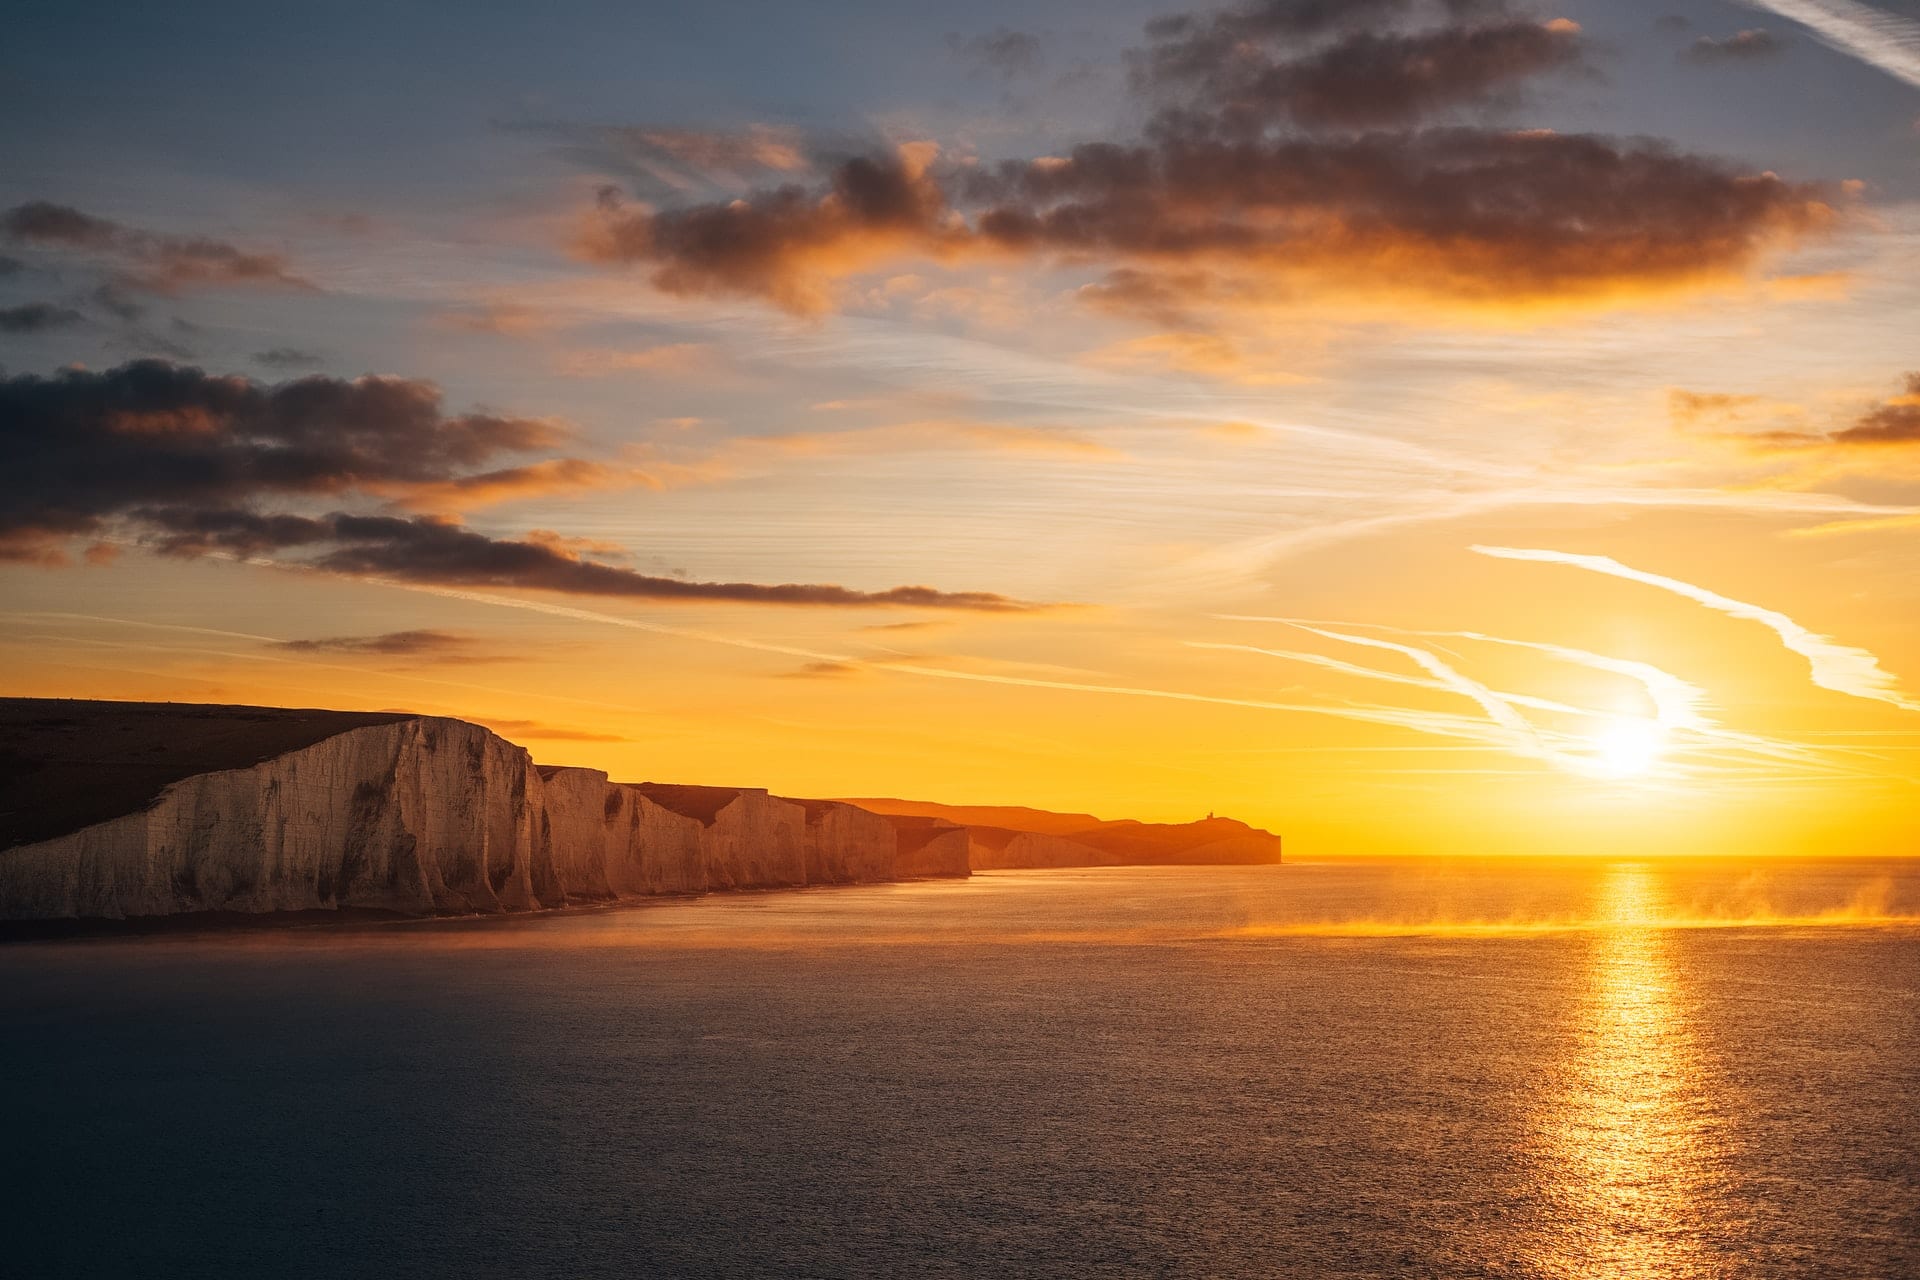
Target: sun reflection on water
(1632,1139)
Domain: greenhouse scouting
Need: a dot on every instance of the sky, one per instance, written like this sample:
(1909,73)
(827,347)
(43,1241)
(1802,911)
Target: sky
(1414,426)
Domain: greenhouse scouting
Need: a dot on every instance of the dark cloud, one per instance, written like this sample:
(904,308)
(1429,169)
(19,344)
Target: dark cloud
(1369,79)
(38,317)
(1003,52)
(183,460)
(81,446)
(425,549)
(1673,22)
(115,302)
(1742,46)
(145,259)
(1189,46)
(10,266)
(1895,421)
(1457,214)
(1459,209)
(776,241)
(389,644)
(286,358)
(821,671)
(1250,183)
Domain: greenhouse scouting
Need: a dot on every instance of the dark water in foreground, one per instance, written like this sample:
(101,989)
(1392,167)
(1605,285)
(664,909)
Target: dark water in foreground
(1471,1069)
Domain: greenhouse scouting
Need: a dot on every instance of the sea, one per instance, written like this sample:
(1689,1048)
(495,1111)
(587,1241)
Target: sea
(1440,1068)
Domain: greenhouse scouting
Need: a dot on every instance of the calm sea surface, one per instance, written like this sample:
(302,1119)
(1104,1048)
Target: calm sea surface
(1423,1070)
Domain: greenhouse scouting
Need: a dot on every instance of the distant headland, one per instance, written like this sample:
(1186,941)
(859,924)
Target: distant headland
(130,810)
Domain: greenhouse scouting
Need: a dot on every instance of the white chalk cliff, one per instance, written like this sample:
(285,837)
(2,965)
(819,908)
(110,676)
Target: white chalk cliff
(431,815)
(118,810)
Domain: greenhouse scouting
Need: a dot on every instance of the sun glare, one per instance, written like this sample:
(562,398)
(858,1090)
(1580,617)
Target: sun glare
(1629,748)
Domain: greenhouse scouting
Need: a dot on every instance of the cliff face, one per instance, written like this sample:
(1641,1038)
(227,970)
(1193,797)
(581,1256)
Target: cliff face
(749,839)
(846,845)
(425,816)
(929,847)
(992,849)
(251,809)
(417,816)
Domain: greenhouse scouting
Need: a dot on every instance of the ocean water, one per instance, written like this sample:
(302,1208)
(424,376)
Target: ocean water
(1370,1069)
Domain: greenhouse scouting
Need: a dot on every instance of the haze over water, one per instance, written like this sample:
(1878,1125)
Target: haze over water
(1461,1068)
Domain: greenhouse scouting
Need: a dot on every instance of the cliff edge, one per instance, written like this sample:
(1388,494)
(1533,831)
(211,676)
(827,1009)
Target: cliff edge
(120,810)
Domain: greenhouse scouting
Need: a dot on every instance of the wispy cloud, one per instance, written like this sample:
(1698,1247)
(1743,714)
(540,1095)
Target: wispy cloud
(1879,39)
(1839,667)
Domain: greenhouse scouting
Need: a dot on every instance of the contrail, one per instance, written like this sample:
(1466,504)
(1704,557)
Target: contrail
(1879,39)
(1526,700)
(1839,667)
(1677,704)
(1526,739)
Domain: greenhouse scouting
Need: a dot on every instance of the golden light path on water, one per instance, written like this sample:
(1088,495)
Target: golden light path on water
(1630,1143)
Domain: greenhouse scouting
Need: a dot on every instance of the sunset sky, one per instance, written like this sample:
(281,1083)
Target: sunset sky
(1411,425)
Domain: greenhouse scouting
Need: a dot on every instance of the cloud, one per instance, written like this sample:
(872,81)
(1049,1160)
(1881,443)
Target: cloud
(1841,668)
(1894,421)
(182,460)
(821,671)
(544,479)
(147,260)
(1742,46)
(38,317)
(114,301)
(1455,214)
(548,732)
(423,549)
(286,358)
(1367,78)
(1002,52)
(1878,39)
(670,160)
(1253,187)
(388,644)
(1187,44)
(781,242)
(82,447)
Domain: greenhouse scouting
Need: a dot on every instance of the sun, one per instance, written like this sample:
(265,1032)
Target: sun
(1629,748)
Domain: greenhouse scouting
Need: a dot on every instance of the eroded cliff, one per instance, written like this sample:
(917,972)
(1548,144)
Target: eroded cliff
(417,815)
(115,810)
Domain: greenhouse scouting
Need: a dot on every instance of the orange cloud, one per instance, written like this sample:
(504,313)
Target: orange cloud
(1891,422)
(545,479)
(787,243)
(1252,185)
